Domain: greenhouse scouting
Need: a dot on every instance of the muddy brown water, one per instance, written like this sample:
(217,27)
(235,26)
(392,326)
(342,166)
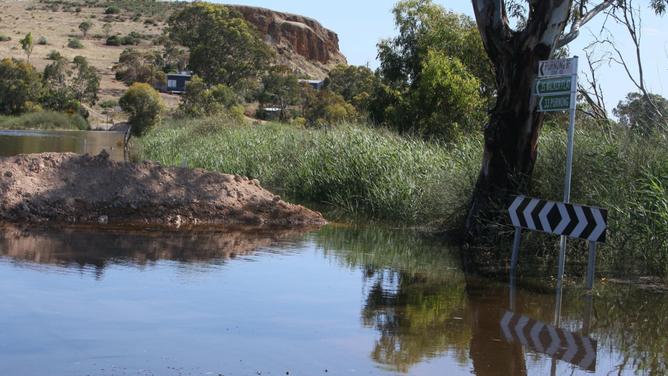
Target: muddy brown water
(14,142)
(338,301)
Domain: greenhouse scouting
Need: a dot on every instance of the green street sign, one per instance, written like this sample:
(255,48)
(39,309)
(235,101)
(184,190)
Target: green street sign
(555,103)
(554,85)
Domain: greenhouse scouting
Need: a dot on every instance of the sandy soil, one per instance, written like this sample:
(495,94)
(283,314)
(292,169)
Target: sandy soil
(72,188)
(18,18)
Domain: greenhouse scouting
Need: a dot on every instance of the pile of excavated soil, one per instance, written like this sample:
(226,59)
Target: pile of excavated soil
(72,188)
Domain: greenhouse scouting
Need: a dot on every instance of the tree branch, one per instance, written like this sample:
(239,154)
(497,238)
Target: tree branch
(583,20)
(493,24)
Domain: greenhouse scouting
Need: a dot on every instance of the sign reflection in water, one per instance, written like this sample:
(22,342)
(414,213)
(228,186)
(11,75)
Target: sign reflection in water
(151,299)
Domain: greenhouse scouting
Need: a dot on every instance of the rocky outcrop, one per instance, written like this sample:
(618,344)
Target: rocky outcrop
(301,42)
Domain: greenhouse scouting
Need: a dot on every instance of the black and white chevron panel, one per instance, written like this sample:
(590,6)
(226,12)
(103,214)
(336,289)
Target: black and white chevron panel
(575,221)
(547,339)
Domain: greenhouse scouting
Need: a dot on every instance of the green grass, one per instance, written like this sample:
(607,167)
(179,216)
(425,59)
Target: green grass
(357,170)
(44,120)
(364,172)
(624,173)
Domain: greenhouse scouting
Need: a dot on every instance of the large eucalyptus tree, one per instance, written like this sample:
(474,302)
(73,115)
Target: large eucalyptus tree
(511,136)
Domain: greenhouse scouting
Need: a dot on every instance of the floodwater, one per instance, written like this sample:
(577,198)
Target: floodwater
(14,142)
(338,301)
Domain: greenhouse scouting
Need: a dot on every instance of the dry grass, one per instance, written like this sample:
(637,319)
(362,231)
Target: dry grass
(21,17)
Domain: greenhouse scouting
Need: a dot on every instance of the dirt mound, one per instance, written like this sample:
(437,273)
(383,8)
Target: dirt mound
(72,188)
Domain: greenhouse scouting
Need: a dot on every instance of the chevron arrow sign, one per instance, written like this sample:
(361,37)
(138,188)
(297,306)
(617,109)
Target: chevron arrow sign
(575,221)
(547,339)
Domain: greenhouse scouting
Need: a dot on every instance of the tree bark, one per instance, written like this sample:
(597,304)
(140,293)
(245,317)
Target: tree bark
(511,136)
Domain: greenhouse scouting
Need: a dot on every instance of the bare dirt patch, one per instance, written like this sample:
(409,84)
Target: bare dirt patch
(85,189)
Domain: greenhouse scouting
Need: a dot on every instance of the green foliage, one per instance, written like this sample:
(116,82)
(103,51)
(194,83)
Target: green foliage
(66,87)
(447,99)
(20,86)
(109,103)
(372,173)
(140,66)
(44,120)
(27,45)
(54,55)
(356,84)
(200,100)
(355,169)
(75,43)
(326,108)
(4,38)
(143,105)
(114,40)
(280,88)
(224,48)
(621,171)
(86,82)
(85,26)
(112,10)
(643,115)
(433,47)
(131,39)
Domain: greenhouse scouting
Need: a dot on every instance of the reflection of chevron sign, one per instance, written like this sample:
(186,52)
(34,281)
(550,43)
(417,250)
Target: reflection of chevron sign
(575,221)
(546,339)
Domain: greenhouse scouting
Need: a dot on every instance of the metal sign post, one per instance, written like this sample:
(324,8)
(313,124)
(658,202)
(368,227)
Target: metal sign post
(556,89)
(569,163)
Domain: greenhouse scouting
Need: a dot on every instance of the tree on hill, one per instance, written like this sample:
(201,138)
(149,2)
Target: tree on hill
(224,48)
(86,82)
(85,27)
(27,45)
(641,115)
(140,66)
(512,133)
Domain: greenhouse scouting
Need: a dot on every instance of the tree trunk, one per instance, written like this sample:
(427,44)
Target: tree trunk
(511,136)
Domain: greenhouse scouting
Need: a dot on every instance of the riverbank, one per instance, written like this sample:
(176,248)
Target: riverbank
(55,187)
(359,171)
(44,120)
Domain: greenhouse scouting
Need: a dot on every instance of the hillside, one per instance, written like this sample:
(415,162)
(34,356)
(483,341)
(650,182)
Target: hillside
(300,42)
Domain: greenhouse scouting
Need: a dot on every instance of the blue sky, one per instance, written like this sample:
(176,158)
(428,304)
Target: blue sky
(361,24)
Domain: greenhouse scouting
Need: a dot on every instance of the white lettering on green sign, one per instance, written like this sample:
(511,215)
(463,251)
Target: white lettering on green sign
(554,85)
(555,103)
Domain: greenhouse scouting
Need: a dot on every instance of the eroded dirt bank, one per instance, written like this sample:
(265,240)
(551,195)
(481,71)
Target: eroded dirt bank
(72,188)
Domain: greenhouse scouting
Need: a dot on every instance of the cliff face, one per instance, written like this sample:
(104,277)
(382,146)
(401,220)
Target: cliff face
(301,42)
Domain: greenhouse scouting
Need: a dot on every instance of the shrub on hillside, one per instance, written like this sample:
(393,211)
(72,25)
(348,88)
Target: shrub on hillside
(54,55)
(42,41)
(75,43)
(5,38)
(143,105)
(112,10)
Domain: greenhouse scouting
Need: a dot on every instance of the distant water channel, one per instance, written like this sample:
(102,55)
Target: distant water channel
(339,301)
(14,142)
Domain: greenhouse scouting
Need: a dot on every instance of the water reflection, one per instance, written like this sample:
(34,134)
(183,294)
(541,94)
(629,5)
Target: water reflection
(85,248)
(423,308)
(418,313)
(82,142)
